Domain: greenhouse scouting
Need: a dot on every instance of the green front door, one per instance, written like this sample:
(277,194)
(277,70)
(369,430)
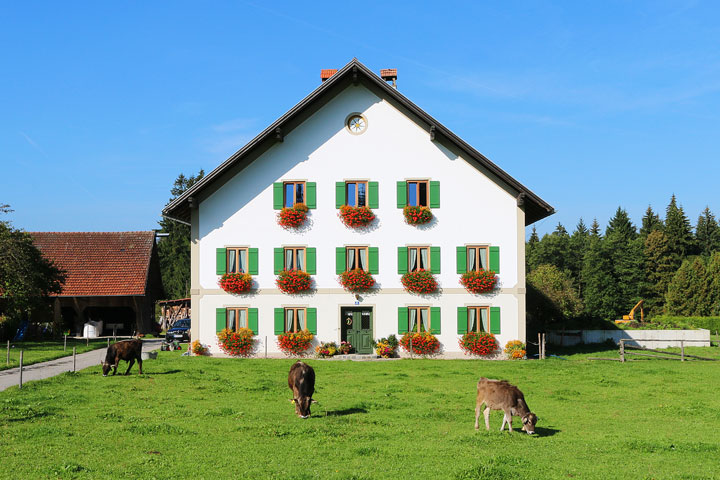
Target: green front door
(357,326)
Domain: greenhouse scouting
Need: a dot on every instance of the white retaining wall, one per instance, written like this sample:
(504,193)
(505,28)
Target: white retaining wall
(655,338)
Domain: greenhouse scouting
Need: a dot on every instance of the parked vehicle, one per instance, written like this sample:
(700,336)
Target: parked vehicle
(179,332)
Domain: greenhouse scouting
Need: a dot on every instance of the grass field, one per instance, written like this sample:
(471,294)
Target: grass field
(42,351)
(193,417)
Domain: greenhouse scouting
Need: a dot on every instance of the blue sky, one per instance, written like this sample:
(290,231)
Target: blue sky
(592,105)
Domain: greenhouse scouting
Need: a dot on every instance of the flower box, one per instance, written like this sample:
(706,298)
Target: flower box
(417,215)
(237,344)
(478,343)
(515,349)
(356,217)
(480,281)
(356,280)
(419,281)
(293,281)
(294,343)
(420,343)
(292,217)
(236,282)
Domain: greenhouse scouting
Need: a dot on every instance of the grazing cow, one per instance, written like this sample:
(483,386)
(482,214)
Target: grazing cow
(301,381)
(500,395)
(128,350)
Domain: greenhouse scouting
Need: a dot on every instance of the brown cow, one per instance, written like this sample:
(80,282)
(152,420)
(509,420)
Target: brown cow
(501,395)
(301,381)
(128,350)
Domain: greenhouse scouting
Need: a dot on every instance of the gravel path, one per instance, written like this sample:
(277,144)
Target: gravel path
(39,371)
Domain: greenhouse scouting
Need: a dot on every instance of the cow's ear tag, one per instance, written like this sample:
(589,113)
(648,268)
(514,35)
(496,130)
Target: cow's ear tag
(292,400)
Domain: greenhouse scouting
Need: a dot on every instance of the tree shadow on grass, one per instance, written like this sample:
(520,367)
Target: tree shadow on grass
(169,372)
(346,411)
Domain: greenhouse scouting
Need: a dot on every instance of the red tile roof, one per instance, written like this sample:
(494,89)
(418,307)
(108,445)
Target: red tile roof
(327,73)
(99,263)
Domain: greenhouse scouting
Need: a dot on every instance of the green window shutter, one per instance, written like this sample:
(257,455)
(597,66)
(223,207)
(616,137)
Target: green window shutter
(339,194)
(373,253)
(462,320)
(340,264)
(279,321)
(495,259)
(253,320)
(277,195)
(401,194)
(402,260)
(220,319)
(220,261)
(435,320)
(253,261)
(435,259)
(310,260)
(373,201)
(312,320)
(402,320)
(310,196)
(495,320)
(461,259)
(279,259)
(435,194)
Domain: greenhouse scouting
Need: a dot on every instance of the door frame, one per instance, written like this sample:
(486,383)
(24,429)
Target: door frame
(371,307)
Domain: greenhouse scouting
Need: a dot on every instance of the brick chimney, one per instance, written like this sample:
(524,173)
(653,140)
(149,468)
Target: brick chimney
(327,73)
(389,74)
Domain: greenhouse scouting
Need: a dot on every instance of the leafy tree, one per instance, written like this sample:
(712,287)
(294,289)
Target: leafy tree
(174,250)
(552,296)
(707,233)
(712,284)
(651,222)
(26,277)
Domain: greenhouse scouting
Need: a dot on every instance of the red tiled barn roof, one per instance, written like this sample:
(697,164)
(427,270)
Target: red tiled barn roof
(99,263)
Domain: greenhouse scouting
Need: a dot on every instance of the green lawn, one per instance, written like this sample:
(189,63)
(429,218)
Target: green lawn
(195,418)
(42,351)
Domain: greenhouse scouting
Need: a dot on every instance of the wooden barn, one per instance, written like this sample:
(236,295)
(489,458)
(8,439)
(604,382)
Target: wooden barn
(113,277)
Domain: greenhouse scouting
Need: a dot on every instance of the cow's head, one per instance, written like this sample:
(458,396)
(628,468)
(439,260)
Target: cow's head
(106,368)
(302,406)
(529,420)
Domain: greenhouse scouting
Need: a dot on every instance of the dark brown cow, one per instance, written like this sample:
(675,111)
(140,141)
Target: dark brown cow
(501,395)
(128,350)
(301,381)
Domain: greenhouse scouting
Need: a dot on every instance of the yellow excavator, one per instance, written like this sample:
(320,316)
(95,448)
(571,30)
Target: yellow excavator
(631,317)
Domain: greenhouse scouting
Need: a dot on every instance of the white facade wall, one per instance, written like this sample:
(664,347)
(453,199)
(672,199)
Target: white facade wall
(473,210)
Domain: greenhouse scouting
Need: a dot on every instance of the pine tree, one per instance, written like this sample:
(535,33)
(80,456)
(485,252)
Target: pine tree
(595,228)
(598,287)
(531,251)
(650,222)
(621,226)
(712,284)
(687,295)
(174,250)
(578,243)
(659,271)
(625,250)
(707,233)
(679,232)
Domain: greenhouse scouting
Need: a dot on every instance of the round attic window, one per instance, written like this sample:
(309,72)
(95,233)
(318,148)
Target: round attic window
(356,123)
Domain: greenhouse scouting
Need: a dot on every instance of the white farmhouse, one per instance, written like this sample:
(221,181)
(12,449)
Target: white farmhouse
(356,140)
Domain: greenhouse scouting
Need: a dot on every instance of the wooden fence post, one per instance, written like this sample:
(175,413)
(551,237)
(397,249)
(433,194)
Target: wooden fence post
(7,361)
(622,350)
(74,358)
(87,341)
(21,367)
(64,342)
(544,342)
(682,351)
(539,346)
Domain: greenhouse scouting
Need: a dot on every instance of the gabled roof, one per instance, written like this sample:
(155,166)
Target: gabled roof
(352,73)
(99,263)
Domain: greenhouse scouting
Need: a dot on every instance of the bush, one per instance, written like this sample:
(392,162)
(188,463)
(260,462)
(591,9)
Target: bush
(386,347)
(237,344)
(423,343)
(669,322)
(478,343)
(515,349)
